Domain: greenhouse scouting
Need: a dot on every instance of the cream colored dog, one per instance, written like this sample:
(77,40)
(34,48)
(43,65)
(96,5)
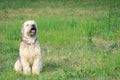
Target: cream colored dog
(29,60)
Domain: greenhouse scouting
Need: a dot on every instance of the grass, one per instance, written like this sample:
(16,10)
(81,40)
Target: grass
(79,38)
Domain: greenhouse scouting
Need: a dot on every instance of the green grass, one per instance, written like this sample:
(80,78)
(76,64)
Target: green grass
(79,38)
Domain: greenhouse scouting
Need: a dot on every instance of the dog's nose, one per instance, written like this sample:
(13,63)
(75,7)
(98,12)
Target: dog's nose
(33,25)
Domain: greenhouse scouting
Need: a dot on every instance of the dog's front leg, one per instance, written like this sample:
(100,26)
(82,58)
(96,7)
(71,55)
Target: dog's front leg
(37,66)
(26,67)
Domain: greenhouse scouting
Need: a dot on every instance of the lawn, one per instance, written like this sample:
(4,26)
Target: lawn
(80,39)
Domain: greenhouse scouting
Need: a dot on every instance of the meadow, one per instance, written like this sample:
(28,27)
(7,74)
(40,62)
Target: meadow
(80,39)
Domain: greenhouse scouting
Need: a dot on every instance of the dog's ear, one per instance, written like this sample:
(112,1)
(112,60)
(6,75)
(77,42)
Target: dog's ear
(22,29)
(37,28)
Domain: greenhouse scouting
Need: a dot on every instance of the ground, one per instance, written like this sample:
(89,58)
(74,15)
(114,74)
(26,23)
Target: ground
(80,39)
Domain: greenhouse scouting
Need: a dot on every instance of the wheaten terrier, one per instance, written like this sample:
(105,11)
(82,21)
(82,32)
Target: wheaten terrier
(29,60)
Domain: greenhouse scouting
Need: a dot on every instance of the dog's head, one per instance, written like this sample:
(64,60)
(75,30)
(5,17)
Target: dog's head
(29,28)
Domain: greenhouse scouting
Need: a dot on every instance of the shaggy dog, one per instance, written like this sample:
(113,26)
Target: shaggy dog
(29,60)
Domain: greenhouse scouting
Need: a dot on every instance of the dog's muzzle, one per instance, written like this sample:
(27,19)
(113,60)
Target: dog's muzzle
(33,30)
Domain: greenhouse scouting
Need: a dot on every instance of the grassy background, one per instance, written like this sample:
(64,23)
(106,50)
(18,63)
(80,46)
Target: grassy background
(79,38)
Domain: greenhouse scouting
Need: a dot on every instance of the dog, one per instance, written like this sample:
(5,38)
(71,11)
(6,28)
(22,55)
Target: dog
(30,59)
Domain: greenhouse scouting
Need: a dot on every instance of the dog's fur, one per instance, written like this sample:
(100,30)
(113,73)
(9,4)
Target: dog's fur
(29,60)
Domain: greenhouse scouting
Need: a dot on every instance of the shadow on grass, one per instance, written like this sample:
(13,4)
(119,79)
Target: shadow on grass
(56,64)
(51,66)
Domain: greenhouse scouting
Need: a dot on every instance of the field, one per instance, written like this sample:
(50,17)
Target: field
(80,39)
